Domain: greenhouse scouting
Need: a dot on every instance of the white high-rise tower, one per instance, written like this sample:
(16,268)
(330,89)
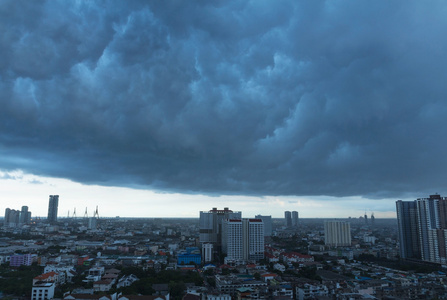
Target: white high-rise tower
(243,239)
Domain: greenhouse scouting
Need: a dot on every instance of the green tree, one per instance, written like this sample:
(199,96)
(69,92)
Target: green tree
(176,290)
(211,281)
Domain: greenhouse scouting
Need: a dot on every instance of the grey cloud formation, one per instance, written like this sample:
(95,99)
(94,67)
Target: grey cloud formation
(331,98)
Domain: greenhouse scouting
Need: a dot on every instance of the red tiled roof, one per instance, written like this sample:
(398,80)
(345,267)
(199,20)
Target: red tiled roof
(102,282)
(46,275)
(225,266)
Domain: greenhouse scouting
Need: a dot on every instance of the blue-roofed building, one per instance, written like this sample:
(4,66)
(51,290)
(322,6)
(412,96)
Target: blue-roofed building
(189,256)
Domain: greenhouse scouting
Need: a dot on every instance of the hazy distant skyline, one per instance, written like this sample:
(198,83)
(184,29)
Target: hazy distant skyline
(166,107)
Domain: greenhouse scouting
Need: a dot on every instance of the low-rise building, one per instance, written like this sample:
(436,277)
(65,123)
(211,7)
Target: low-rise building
(126,281)
(43,290)
(47,277)
(18,260)
(102,285)
(311,291)
(228,284)
(295,257)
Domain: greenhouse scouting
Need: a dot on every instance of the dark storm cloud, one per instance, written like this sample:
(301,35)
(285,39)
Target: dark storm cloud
(227,97)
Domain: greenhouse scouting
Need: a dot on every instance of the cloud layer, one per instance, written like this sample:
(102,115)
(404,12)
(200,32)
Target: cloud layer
(331,98)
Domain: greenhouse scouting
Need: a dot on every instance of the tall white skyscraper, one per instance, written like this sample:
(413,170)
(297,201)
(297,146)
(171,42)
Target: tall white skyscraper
(337,233)
(232,239)
(253,239)
(243,239)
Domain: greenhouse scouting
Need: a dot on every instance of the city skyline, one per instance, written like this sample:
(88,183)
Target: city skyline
(161,109)
(143,203)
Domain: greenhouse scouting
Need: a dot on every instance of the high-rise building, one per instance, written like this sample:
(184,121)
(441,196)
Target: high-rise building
(337,233)
(295,218)
(24,215)
(243,239)
(288,218)
(422,226)
(253,239)
(407,224)
(428,210)
(14,218)
(210,225)
(52,208)
(267,220)
(6,219)
(232,239)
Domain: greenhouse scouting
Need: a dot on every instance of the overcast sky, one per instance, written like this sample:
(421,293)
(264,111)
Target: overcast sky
(212,103)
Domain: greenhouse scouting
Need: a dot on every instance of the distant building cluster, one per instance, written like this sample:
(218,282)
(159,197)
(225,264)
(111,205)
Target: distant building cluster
(367,221)
(210,223)
(422,226)
(225,231)
(240,239)
(291,218)
(14,218)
